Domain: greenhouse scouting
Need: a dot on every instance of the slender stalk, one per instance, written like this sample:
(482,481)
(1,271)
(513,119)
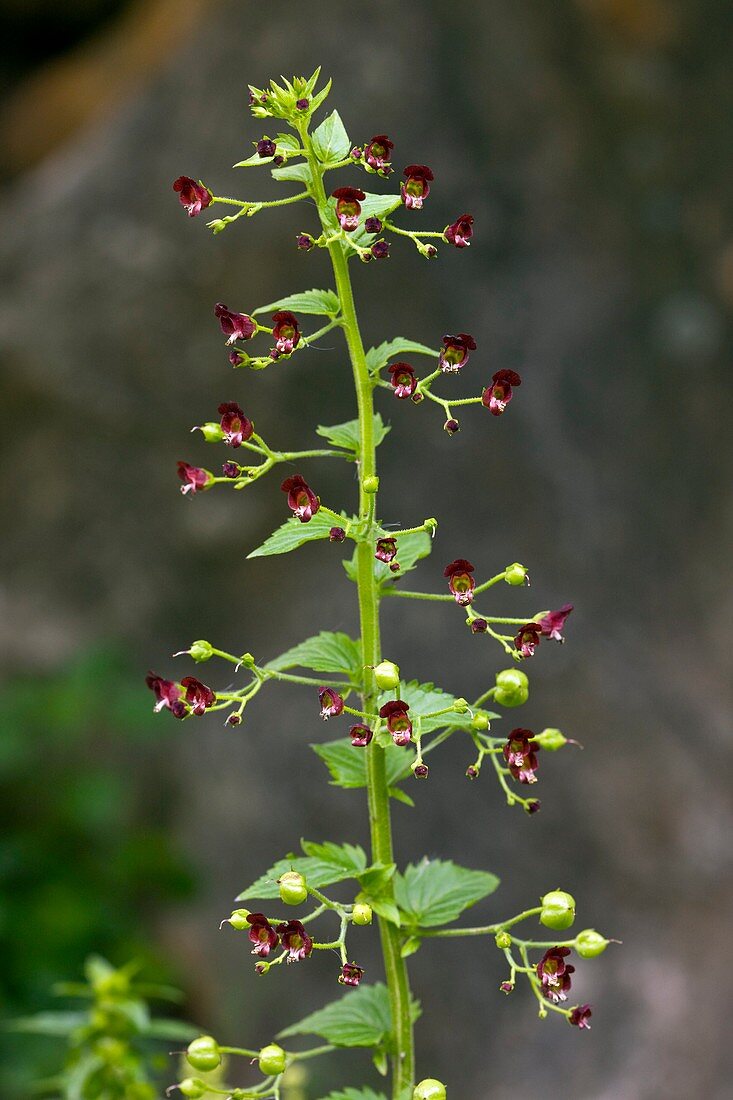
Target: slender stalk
(377,789)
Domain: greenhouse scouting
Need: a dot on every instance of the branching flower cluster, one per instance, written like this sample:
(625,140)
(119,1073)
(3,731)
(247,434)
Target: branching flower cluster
(390,726)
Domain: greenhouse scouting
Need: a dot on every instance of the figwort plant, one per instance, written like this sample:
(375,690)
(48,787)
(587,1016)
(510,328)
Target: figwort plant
(393,725)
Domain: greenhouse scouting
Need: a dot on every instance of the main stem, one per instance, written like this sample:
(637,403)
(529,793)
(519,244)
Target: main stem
(380,823)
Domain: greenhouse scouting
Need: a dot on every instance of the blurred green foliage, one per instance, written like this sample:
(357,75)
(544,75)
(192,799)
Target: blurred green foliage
(86,861)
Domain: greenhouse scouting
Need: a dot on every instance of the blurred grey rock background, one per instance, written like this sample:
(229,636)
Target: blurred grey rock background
(592,141)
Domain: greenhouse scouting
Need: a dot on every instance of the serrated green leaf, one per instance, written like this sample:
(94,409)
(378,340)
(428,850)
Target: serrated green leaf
(325,652)
(56,1024)
(436,892)
(173,1031)
(385,907)
(323,865)
(360,1018)
(350,857)
(347,764)
(355,1094)
(410,550)
(347,435)
(379,357)
(424,699)
(299,172)
(320,302)
(330,140)
(376,877)
(401,796)
(293,534)
(410,946)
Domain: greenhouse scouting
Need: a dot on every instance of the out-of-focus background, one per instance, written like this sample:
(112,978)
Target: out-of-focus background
(592,141)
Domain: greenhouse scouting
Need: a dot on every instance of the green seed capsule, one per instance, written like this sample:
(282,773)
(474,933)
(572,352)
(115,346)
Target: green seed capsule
(480,720)
(201,651)
(590,943)
(515,574)
(361,913)
(239,920)
(551,739)
(192,1087)
(558,910)
(204,1054)
(272,1060)
(387,675)
(512,679)
(429,1089)
(503,940)
(293,890)
(211,432)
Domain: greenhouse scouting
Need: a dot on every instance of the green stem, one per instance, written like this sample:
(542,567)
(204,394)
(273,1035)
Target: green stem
(377,788)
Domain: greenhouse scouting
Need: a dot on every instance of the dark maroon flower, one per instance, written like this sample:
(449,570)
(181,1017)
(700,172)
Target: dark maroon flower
(416,187)
(167,694)
(305,242)
(231,469)
(266,148)
(301,104)
(198,695)
(479,626)
(451,426)
(373,225)
(580,1015)
(236,358)
(527,639)
(360,736)
(386,550)
(351,974)
(235,326)
(421,771)
(472,772)
(377,154)
(348,206)
(398,723)
(233,719)
(261,934)
(403,380)
(336,534)
(430,251)
(285,332)
(497,396)
(533,806)
(507,987)
(194,197)
(301,498)
(236,427)
(520,753)
(193,478)
(554,974)
(295,939)
(460,232)
(460,581)
(380,250)
(331,703)
(455,352)
(551,624)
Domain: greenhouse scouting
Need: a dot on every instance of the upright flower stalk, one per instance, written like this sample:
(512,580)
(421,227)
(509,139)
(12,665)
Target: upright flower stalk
(398,722)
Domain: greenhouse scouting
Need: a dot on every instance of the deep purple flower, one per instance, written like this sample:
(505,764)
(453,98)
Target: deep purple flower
(266,148)
(336,534)
(527,639)
(331,702)
(295,939)
(236,427)
(360,735)
(580,1015)
(194,197)
(398,723)
(261,934)
(460,581)
(403,380)
(193,478)
(380,250)
(377,154)
(479,626)
(235,326)
(373,225)
(460,232)
(285,332)
(421,771)
(520,753)
(554,974)
(553,622)
(198,695)
(167,694)
(455,351)
(355,153)
(416,187)
(351,974)
(301,104)
(386,550)
(231,469)
(301,498)
(348,206)
(305,242)
(497,396)
(451,426)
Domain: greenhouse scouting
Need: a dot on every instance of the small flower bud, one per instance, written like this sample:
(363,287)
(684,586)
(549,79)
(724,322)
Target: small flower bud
(371,484)
(380,250)
(293,890)
(460,706)
(503,940)
(533,806)
(590,943)
(472,772)
(361,914)
(507,987)
(420,771)
(231,469)
(351,974)
(451,426)
(372,225)
(201,651)
(262,967)
(479,626)
(480,721)
(302,104)
(558,910)
(336,534)
(192,1087)
(238,919)
(204,1054)
(551,739)
(387,675)
(516,574)
(272,1060)
(429,251)
(305,242)
(429,1089)
(211,432)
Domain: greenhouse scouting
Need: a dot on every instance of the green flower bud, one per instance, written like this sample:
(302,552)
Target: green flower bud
(503,940)
(558,910)
(590,943)
(293,890)
(212,433)
(480,720)
(551,739)
(387,675)
(429,1089)
(272,1060)
(238,919)
(192,1086)
(516,574)
(204,1054)
(460,706)
(361,913)
(201,651)
(370,484)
